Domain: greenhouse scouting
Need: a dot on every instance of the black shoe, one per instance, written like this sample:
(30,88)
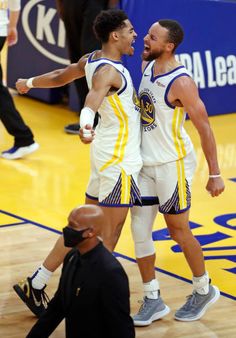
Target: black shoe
(36,300)
(72,128)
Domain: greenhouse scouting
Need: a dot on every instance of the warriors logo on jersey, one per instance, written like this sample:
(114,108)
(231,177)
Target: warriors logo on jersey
(147,111)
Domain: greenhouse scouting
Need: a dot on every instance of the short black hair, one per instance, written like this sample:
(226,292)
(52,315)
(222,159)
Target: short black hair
(107,22)
(176,32)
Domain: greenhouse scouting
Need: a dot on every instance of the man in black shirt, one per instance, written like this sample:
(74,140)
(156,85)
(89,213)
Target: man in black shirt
(93,293)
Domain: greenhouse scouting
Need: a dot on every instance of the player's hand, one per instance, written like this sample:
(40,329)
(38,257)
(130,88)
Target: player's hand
(86,134)
(12,36)
(21,86)
(215,186)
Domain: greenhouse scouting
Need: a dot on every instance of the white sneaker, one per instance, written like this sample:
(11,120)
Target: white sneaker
(18,152)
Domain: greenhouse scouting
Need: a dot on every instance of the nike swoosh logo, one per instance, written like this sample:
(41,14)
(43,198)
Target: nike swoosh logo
(37,303)
(146,74)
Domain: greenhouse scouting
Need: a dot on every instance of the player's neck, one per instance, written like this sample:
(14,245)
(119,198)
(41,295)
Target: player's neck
(165,65)
(110,53)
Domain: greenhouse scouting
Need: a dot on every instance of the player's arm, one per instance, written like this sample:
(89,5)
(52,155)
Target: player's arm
(12,35)
(104,79)
(185,90)
(56,78)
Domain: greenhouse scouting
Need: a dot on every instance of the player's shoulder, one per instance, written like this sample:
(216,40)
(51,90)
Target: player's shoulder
(183,80)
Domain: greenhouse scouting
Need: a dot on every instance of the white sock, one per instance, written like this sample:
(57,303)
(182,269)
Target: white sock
(151,289)
(201,284)
(40,277)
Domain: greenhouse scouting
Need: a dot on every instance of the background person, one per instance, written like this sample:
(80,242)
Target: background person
(93,293)
(23,138)
(78,17)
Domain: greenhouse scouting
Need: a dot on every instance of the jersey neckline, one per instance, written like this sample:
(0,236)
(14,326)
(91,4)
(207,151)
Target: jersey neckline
(154,78)
(90,60)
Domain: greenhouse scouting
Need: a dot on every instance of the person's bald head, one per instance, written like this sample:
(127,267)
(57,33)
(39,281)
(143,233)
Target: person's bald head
(87,216)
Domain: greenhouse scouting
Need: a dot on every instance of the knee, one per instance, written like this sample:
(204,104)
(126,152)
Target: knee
(142,236)
(140,231)
(180,236)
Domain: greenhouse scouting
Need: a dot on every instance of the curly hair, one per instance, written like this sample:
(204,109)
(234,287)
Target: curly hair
(107,22)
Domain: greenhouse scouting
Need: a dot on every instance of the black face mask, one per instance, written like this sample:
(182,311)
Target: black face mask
(73,237)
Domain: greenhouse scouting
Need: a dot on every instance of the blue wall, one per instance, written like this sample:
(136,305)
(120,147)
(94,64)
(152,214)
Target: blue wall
(208,50)
(209,26)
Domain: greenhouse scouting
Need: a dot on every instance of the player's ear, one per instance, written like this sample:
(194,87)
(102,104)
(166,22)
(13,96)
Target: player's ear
(114,35)
(170,46)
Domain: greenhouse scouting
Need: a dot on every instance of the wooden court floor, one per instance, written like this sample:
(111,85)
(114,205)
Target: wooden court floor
(38,192)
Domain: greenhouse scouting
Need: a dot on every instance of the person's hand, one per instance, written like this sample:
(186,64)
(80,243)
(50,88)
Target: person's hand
(12,36)
(21,86)
(215,186)
(86,134)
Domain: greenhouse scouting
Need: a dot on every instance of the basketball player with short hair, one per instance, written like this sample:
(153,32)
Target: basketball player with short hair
(115,149)
(166,92)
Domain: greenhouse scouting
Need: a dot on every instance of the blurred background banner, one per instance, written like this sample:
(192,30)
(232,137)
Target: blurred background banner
(41,46)
(208,50)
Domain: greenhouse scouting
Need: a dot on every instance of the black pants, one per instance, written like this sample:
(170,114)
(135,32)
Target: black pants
(78,17)
(10,116)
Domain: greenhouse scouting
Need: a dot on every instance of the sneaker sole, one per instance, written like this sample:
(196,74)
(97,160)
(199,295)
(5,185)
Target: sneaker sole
(71,132)
(156,316)
(211,302)
(22,153)
(25,299)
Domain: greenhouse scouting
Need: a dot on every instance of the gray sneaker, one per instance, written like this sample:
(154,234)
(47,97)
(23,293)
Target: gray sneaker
(150,310)
(197,304)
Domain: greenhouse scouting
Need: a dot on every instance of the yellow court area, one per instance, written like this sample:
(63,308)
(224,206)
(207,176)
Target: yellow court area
(38,192)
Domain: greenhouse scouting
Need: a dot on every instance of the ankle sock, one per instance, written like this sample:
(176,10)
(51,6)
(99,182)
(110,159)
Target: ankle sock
(201,284)
(41,277)
(151,289)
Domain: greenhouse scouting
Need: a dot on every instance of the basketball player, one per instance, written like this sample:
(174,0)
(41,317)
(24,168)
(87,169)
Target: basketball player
(115,150)
(166,93)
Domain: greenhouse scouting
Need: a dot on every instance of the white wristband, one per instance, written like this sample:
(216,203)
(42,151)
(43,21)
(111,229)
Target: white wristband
(29,83)
(87,133)
(86,117)
(215,176)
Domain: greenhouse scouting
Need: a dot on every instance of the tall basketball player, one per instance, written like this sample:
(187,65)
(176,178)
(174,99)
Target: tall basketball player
(166,93)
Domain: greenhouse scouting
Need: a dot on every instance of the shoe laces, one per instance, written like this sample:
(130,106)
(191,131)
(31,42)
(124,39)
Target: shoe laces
(44,297)
(192,300)
(144,306)
(41,295)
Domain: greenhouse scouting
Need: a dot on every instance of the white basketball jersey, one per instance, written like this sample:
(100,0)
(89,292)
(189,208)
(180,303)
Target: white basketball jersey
(164,138)
(118,134)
